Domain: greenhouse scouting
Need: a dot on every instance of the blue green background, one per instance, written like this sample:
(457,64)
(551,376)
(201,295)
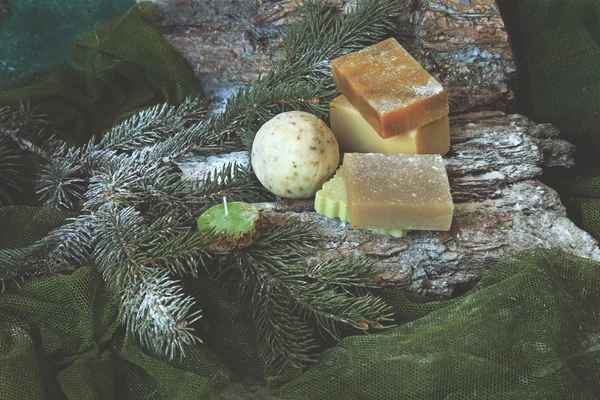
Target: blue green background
(39,32)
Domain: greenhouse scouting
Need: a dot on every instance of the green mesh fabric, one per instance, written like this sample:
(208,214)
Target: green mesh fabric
(120,67)
(60,338)
(557,46)
(529,330)
(24,225)
(39,32)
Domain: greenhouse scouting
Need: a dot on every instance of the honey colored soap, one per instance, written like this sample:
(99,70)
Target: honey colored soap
(401,191)
(331,202)
(389,88)
(354,134)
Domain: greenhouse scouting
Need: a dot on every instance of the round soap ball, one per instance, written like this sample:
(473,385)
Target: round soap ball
(294,153)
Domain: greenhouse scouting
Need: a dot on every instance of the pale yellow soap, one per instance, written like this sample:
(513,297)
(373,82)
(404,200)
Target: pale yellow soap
(402,191)
(354,134)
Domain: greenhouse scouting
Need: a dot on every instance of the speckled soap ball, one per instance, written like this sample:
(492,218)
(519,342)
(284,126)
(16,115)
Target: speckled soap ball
(294,154)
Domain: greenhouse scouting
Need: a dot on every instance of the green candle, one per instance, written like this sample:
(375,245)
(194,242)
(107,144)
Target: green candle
(235,223)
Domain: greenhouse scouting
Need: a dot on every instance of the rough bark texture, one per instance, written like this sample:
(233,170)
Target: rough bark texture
(494,163)
(464,44)
(501,208)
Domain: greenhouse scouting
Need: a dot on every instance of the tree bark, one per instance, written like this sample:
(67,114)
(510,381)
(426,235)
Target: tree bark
(500,209)
(494,164)
(230,43)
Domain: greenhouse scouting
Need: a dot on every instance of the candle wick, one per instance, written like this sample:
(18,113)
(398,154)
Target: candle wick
(225,205)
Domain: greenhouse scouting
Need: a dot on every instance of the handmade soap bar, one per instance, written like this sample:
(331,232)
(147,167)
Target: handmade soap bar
(354,134)
(331,202)
(402,191)
(389,88)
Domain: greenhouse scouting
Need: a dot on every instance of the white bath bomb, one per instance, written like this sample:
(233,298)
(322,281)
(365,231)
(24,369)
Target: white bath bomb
(294,153)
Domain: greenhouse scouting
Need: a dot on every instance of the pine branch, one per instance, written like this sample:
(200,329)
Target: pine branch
(153,125)
(284,340)
(11,165)
(19,131)
(13,267)
(319,296)
(127,179)
(25,128)
(176,248)
(64,249)
(63,181)
(344,273)
(127,252)
(61,185)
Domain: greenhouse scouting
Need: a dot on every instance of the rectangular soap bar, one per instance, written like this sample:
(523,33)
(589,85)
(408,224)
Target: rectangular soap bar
(354,134)
(400,191)
(389,88)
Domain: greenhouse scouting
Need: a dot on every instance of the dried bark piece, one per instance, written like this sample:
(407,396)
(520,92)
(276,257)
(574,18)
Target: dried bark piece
(463,44)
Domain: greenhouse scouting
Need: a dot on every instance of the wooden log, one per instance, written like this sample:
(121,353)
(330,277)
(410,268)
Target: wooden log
(501,208)
(494,163)
(464,44)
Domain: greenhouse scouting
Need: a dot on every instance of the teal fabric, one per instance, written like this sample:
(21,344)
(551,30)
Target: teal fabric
(39,32)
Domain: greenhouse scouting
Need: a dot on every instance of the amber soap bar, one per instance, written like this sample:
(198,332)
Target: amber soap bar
(355,135)
(400,191)
(389,88)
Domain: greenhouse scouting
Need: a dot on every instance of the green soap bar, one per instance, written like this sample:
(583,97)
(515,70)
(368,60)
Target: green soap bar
(331,202)
(391,232)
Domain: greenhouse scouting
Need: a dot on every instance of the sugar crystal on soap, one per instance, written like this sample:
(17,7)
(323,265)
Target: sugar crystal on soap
(398,191)
(389,88)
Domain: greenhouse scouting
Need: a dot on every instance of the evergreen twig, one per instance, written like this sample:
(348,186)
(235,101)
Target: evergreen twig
(289,298)
(20,130)
(136,259)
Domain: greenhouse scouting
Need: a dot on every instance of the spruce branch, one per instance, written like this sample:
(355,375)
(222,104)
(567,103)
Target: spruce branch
(11,167)
(289,298)
(176,248)
(62,250)
(20,130)
(61,185)
(153,125)
(25,128)
(284,340)
(130,255)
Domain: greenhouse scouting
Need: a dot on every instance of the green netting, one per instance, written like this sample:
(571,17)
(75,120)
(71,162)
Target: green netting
(40,32)
(122,66)
(22,226)
(529,330)
(60,338)
(557,44)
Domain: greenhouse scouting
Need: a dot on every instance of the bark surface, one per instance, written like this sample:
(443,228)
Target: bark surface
(493,166)
(464,44)
(500,208)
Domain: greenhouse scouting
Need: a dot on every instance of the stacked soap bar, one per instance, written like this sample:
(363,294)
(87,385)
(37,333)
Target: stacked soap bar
(397,191)
(394,96)
(354,134)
